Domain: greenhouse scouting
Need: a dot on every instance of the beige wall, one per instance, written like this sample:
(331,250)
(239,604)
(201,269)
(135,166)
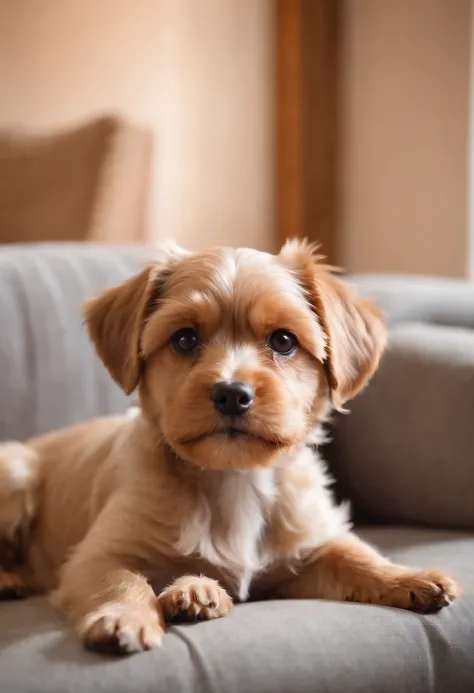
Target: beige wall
(470,271)
(405,98)
(200,73)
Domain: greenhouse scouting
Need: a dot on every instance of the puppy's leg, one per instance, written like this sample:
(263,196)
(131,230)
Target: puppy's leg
(19,480)
(113,608)
(347,569)
(109,602)
(196,598)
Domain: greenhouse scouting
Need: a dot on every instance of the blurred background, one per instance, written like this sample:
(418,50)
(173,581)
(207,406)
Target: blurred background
(242,122)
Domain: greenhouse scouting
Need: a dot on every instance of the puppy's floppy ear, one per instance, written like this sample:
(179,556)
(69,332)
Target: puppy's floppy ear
(354,327)
(116,318)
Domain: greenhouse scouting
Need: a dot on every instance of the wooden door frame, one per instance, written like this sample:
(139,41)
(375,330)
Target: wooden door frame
(307,67)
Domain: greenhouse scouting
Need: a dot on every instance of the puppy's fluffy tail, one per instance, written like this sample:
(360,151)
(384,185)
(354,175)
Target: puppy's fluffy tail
(19,481)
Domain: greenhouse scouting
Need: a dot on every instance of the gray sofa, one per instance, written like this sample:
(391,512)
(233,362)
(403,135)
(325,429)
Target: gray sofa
(405,456)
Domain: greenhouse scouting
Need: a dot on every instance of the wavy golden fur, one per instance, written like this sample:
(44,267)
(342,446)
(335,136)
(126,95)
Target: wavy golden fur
(183,506)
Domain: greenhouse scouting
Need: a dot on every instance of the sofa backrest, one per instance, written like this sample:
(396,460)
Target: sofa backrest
(403,454)
(49,374)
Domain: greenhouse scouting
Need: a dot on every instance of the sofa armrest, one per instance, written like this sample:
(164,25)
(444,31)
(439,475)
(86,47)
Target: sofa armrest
(437,300)
(405,452)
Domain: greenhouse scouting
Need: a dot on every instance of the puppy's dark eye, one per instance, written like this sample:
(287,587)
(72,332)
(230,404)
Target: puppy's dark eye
(282,342)
(185,340)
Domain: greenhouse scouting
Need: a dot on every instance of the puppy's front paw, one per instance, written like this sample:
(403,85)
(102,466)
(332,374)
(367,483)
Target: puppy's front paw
(196,598)
(424,591)
(123,629)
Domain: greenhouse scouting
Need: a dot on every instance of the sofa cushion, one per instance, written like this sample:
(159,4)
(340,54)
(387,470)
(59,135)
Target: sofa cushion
(271,647)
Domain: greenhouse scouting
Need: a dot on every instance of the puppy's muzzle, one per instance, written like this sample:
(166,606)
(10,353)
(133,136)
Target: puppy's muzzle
(232,399)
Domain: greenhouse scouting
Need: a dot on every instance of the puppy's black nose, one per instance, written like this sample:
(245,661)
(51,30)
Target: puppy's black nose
(232,399)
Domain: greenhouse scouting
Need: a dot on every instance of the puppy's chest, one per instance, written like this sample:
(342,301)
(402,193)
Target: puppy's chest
(227,526)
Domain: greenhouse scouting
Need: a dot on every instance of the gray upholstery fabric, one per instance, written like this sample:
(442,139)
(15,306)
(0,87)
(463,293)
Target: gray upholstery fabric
(272,647)
(435,300)
(49,375)
(405,453)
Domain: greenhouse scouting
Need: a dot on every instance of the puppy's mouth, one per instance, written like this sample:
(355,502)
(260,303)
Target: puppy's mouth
(232,434)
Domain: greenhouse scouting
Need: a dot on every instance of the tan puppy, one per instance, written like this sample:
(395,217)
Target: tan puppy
(211,491)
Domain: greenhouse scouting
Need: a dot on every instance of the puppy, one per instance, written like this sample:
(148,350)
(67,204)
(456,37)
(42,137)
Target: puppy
(211,491)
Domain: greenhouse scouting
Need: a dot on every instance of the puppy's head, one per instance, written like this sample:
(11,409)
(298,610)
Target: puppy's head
(236,353)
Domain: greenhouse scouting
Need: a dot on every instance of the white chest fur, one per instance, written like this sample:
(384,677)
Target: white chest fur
(232,509)
(227,524)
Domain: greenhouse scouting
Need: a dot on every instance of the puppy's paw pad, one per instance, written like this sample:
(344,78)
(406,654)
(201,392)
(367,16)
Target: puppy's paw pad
(196,598)
(124,630)
(11,586)
(425,591)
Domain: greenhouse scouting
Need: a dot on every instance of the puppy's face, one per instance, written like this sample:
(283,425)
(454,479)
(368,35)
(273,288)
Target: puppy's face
(233,349)
(233,358)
